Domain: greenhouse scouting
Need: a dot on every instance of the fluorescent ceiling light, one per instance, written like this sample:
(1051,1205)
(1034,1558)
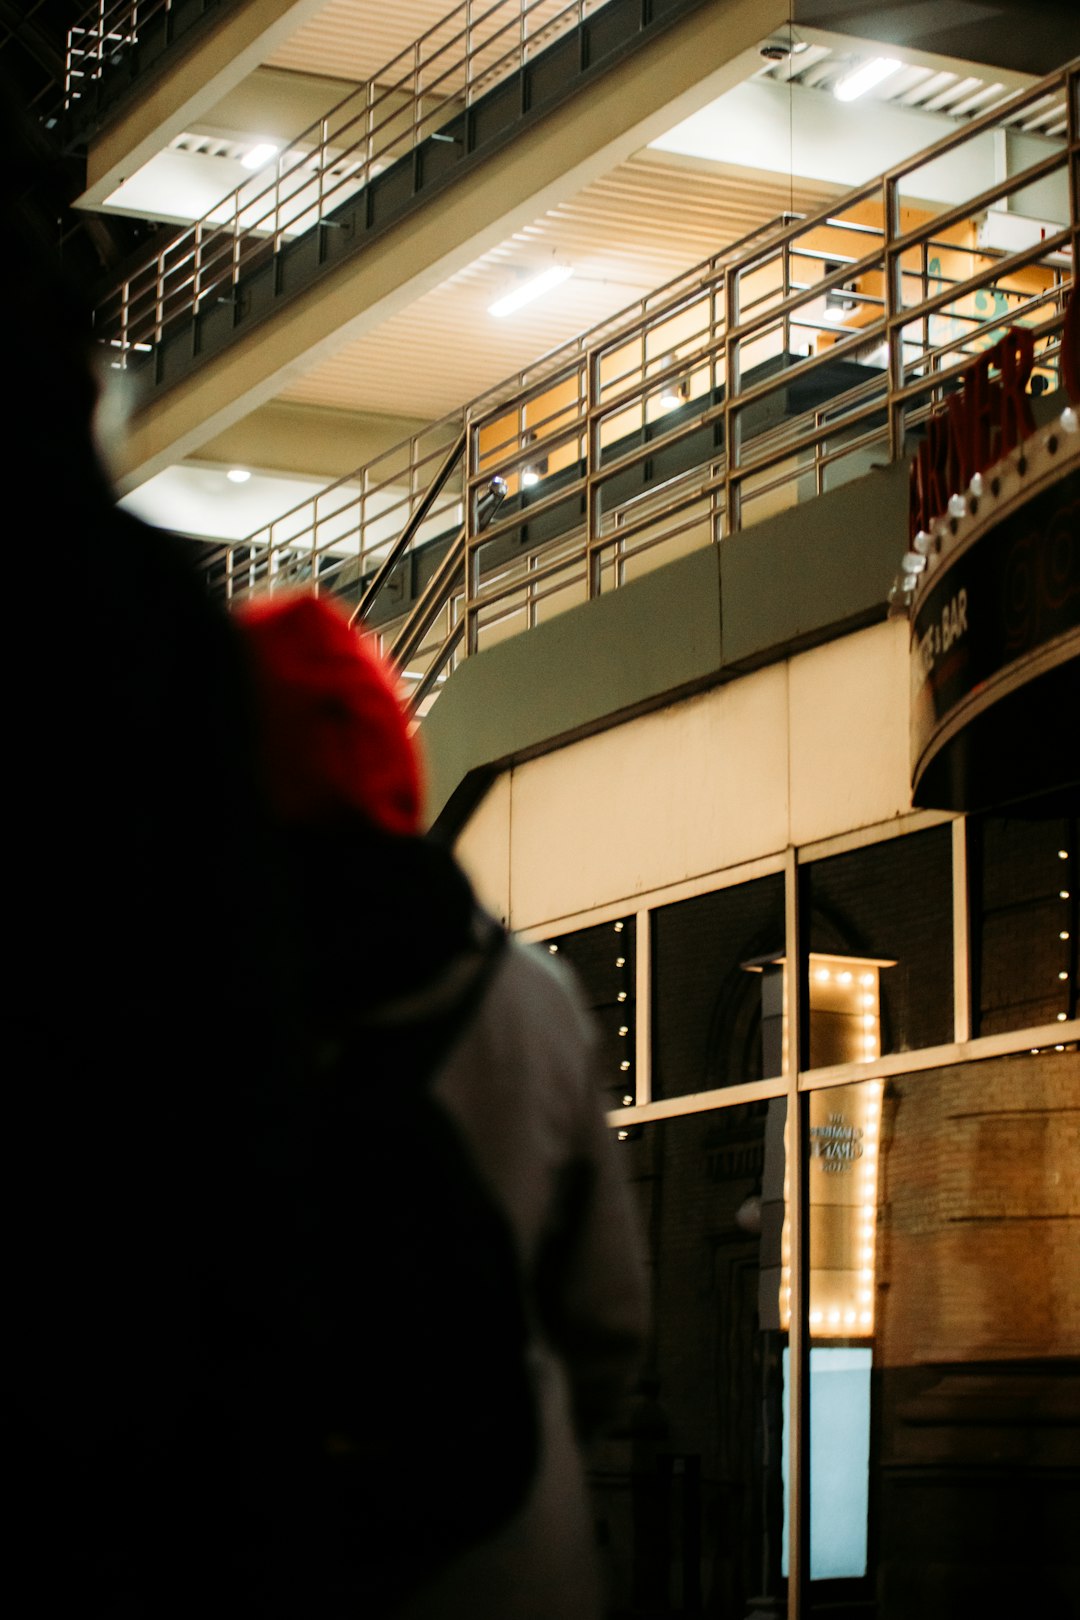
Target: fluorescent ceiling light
(533,288)
(261,153)
(864,78)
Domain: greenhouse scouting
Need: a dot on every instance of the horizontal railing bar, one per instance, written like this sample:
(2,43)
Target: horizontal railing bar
(972,284)
(1001,189)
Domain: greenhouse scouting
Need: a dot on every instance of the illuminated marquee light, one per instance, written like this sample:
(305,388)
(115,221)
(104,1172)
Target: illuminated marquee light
(986,419)
(844,1155)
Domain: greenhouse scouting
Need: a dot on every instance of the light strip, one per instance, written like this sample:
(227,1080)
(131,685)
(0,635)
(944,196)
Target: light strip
(534,288)
(259,155)
(864,78)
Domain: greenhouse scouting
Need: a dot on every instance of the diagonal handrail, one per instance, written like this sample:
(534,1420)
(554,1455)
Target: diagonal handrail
(411,529)
(440,586)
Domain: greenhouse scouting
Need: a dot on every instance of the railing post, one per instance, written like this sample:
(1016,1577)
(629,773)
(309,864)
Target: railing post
(323,160)
(894,308)
(470,639)
(125,321)
(1072,136)
(592,467)
(197,281)
(731,419)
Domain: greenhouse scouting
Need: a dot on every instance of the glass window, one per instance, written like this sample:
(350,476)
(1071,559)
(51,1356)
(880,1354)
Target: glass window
(1023,880)
(603,958)
(718,988)
(687,1486)
(944,1302)
(880,940)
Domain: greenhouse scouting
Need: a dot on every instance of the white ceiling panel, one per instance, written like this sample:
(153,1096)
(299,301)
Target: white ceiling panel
(625,235)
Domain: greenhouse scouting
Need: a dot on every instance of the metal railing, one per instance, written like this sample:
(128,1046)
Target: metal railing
(777,370)
(413,97)
(100,38)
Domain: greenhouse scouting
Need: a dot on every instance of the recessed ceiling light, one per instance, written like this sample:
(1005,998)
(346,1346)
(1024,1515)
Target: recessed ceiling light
(865,77)
(238,475)
(259,154)
(535,287)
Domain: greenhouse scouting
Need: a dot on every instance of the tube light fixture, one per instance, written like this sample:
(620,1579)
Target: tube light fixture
(260,154)
(865,77)
(535,287)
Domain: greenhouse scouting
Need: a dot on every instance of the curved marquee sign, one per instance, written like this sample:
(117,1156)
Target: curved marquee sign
(995,624)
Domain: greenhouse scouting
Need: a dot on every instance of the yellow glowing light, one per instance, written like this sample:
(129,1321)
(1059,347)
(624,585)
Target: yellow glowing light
(618,927)
(822,975)
(865,1318)
(624,1065)
(620,961)
(866,978)
(621,996)
(844,978)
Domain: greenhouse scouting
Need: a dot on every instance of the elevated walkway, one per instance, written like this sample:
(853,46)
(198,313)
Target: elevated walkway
(788,364)
(424,168)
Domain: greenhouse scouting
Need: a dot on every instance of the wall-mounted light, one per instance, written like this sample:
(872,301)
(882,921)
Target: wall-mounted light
(865,77)
(535,287)
(674,393)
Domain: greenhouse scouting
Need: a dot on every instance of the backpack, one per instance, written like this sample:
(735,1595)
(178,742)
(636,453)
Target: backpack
(412,1334)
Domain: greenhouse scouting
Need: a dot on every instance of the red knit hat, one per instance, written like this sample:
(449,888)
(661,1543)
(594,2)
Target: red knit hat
(334,734)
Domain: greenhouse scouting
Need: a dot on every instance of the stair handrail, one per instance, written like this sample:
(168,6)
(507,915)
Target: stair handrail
(411,528)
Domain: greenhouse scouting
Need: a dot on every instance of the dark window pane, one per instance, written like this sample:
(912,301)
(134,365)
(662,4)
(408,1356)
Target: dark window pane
(687,1487)
(603,959)
(717,991)
(881,960)
(1023,878)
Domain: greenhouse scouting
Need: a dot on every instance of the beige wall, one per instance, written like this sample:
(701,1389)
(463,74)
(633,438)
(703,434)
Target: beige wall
(795,753)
